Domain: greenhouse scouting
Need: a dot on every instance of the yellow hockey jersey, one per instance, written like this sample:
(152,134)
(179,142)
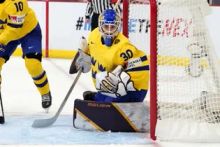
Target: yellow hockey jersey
(122,52)
(16,20)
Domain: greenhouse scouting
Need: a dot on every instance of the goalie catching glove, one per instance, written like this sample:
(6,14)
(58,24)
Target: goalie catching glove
(115,84)
(81,59)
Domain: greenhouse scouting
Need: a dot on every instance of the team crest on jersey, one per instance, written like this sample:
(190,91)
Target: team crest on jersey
(93,61)
(101,68)
(16,19)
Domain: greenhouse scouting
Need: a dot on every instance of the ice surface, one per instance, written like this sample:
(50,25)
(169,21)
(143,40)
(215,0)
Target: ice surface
(18,130)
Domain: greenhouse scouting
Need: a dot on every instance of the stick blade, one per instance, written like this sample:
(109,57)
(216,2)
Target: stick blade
(42,123)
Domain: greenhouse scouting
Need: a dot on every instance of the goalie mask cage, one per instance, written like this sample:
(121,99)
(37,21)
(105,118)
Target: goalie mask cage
(184,79)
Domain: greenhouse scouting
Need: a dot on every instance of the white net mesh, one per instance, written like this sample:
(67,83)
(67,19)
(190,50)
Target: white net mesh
(139,23)
(188,77)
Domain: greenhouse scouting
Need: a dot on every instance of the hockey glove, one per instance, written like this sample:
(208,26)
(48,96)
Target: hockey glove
(114,84)
(81,59)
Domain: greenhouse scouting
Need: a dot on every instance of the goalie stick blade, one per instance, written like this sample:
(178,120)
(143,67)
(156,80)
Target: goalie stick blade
(2,120)
(42,123)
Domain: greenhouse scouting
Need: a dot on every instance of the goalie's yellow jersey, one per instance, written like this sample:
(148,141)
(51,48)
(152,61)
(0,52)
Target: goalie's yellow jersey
(16,20)
(122,52)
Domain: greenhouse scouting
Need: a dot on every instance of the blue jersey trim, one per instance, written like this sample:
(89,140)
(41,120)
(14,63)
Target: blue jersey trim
(139,68)
(15,25)
(144,58)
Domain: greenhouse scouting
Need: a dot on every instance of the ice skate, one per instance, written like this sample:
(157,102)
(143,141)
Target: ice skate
(46,101)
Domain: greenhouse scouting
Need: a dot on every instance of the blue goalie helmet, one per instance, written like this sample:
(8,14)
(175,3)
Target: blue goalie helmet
(109,25)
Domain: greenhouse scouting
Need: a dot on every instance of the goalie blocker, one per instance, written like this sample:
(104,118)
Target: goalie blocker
(115,117)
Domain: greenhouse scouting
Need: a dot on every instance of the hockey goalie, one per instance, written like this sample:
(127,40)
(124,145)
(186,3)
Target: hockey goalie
(120,73)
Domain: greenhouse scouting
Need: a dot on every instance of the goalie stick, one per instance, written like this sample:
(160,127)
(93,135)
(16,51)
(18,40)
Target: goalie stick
(41,123)
(2,117)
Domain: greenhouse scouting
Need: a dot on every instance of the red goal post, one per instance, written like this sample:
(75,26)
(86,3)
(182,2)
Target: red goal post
(152,10)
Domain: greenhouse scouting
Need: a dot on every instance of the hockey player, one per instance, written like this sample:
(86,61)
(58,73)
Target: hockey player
(119,70)
(19,26)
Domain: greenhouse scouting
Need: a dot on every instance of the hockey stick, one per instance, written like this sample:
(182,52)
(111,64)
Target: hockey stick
(41,123)
(2,118)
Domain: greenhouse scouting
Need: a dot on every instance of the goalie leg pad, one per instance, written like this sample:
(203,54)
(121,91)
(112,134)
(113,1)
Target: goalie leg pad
(115,117)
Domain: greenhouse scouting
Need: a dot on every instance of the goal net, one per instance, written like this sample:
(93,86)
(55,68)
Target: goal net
(184,82)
